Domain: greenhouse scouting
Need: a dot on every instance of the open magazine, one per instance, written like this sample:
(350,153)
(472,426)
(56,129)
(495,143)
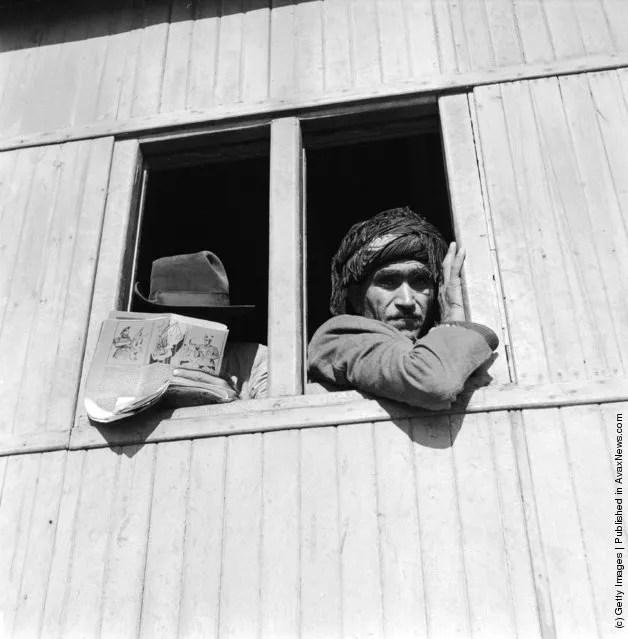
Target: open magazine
(140,356)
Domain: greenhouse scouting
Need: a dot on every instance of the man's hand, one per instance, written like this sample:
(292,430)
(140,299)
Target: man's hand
(450,288)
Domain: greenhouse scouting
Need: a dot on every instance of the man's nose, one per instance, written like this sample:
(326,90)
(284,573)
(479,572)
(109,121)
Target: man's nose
(404,297)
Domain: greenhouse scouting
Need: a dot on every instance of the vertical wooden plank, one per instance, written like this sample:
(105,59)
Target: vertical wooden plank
(16,196)
(607,231)
(42,69)
(392,38)
(594,27)
(337,63)
(280,556)
(611,115)
(62,388)
(308,28)
(491,604)
(285,294)
(442,551)
(166,540)
(151,59)
(57,583)
(503,32)
(122,44)
(405,611)
(472,223)
(39,371)
(93,62)
(15,105)
(422,38)
(58,106)
(460,43)
(514,526)
(282,50)
(578,234)
(200,588)
(560,529)
(564,29)
(445,37)
(177,61)
(540,201)
(320,535)
(25,286)
(365,44)
(528,355)
(16,515)
(131,59)
(229,65)
(256,51)
(203,55)
(240,572)
(123,580)
(83,599)
(15,29)
(535,36)
(617,15)
(108,282)
(31,594)
(593,482)
(479,44)
(362,597)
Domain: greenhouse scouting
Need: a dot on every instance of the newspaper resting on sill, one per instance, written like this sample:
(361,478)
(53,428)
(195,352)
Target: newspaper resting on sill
(141,356)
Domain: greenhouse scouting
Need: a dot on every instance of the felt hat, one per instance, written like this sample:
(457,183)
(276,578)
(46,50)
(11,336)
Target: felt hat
(191,284)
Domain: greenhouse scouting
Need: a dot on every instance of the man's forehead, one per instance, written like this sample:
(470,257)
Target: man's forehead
(402,266)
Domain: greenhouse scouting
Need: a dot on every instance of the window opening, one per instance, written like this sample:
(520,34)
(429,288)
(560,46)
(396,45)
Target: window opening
(220,206)
(353,180)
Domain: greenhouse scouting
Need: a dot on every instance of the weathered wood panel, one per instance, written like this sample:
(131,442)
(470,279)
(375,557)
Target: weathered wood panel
(51,210)
(483,525)
(105,61)
(554,154)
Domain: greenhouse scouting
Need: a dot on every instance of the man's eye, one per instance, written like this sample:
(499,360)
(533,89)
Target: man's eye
(421,283)
(387,282)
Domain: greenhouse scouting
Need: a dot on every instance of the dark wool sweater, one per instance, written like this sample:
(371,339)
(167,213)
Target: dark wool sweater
(353,351)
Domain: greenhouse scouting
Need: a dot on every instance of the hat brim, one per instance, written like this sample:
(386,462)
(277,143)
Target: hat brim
(215,313)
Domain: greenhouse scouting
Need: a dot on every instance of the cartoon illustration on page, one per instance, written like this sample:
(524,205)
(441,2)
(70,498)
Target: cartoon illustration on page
(127,346)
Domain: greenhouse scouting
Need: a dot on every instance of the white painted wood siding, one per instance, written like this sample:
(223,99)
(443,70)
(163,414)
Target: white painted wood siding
(51,210)
(554,153)
(488,525)
(103,61)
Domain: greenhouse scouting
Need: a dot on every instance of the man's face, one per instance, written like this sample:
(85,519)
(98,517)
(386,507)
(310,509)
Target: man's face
(400,294)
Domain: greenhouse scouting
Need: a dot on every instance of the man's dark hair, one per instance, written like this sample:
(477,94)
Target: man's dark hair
(389,236)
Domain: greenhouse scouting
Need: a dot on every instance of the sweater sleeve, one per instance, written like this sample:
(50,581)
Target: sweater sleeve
(374,357)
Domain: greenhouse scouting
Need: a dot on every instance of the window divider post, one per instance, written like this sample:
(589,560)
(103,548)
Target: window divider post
(286,334)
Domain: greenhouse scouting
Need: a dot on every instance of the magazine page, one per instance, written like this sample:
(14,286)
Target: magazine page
(137,354)
(185,342)
(124,371)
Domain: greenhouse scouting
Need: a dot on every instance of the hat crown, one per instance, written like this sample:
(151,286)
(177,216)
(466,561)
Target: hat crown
(192,279)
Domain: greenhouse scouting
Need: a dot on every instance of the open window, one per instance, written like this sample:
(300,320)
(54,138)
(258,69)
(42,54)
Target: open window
(274,199)
(210,194)
(358,166)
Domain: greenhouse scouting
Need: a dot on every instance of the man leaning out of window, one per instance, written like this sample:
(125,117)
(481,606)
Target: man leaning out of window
(398,328)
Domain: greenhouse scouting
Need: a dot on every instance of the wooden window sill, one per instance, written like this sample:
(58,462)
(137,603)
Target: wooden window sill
(323,408)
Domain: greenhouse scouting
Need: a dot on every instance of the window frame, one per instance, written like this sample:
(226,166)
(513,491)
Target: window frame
(287,341)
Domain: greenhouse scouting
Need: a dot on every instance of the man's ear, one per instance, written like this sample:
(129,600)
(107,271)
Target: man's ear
(355,299)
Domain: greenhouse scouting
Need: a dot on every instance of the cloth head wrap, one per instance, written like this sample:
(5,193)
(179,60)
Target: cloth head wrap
(389,236)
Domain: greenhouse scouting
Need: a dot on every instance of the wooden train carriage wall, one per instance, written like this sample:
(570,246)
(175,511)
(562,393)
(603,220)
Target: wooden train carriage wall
(319,515)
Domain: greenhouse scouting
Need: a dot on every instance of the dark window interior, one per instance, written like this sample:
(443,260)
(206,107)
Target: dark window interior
(221,207)
(349,183)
